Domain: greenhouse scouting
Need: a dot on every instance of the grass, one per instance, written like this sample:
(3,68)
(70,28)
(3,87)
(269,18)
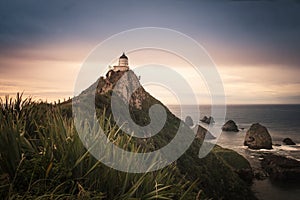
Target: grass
(42,157)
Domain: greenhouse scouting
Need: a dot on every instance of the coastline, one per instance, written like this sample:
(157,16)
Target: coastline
(282,122)
(263,186)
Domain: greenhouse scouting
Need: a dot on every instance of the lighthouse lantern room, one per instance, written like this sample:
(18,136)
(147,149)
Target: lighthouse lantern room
(123,64)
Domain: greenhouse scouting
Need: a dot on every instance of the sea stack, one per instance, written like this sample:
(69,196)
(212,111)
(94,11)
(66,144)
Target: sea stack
(288,141)
(189,121)
(258,137)
(207,120)
(230,126)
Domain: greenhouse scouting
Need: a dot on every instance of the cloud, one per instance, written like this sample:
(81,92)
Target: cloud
(255,44)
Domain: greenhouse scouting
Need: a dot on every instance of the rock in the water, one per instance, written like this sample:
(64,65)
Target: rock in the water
(210,120)
(203,133)
(230,126)
(207,120)
(189,121)
(258,137)
(288,141)
(204,119)
(281,168)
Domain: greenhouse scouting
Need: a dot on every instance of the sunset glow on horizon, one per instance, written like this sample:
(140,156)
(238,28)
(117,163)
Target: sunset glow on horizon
(43,46)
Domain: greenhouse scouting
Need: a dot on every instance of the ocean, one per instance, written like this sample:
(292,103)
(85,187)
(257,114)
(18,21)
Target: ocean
(282,121)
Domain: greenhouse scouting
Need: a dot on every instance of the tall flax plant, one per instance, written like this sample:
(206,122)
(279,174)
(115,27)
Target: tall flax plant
(13,143)
(43,156)
(92,175)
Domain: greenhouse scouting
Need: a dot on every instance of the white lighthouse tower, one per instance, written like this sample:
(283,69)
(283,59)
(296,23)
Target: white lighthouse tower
(123,64)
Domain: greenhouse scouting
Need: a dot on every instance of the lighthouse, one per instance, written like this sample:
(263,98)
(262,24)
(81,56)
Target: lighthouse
(123,64)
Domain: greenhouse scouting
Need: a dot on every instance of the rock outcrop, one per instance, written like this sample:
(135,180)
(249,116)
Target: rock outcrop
(189,121)
(281,168)
(207,120)
(123,82)
(230,126)
(288,141)
(258,137)
(204,133)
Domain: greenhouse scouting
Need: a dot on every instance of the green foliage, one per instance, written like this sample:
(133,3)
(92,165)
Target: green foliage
(215,175)
(232,158)
(42,156)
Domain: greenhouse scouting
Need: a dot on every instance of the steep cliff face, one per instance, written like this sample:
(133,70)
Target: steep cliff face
(215,174)
(126,85)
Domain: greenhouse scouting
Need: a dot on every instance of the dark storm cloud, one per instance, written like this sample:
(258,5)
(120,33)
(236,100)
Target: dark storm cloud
(28,22)
(236,32)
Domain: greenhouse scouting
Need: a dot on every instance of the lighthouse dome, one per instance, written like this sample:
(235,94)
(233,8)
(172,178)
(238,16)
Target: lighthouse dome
(123,56)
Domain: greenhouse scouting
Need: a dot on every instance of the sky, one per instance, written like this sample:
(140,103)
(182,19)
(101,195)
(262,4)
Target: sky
(254,44)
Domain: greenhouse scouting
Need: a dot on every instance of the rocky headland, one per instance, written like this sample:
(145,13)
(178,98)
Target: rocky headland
(220,164)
